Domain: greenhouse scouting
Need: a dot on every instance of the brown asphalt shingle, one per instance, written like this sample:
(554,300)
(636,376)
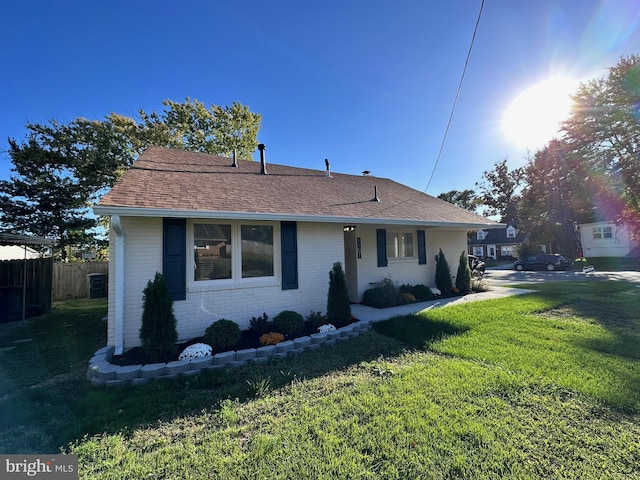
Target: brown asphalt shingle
(172,179)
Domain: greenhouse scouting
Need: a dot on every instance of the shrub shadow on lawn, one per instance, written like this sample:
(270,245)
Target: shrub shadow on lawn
(417,331)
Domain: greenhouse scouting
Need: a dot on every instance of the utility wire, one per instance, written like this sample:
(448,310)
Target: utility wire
(455,101)
(453,108)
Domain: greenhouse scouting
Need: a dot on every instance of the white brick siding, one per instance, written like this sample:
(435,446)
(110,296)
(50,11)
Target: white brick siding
(319,247)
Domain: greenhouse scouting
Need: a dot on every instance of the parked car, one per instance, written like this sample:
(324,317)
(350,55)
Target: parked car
(476,265)
(543,261)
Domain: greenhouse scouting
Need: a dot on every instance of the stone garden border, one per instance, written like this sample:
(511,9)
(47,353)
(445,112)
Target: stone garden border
(103,373)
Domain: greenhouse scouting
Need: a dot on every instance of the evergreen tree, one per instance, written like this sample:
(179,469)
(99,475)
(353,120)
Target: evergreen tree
(338,307)
(443,274)
(463,277)
(158,331)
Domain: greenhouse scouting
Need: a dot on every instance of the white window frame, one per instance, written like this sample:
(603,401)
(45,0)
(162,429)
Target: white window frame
(607,232)
(478,251)
(236,280)
(398,234)
(597,233)
(480,234)
(511,232)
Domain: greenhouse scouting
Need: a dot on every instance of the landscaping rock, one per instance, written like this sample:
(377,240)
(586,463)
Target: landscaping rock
(178,366)
(266,352)
(153,370)
(247,354)
(301,343)
(285,347)
(200,363)
(224,358)
(319,338)
(128,372)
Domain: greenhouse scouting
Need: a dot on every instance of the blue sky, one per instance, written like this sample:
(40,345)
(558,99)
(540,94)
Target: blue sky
(367,84)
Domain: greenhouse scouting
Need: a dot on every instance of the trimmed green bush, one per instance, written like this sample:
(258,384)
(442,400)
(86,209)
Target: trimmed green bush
(443,274)
(222,334)
(384,296)
(463,277)
(422,293)
(158,332)
(288,323)
(338,306)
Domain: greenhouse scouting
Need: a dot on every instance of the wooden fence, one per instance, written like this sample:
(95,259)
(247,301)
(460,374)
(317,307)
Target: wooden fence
(70,279)
(37,292)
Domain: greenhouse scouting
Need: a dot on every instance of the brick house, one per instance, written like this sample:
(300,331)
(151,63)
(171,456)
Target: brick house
(236,239)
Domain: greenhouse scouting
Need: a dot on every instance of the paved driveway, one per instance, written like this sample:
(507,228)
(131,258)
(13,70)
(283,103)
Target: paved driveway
(501,276)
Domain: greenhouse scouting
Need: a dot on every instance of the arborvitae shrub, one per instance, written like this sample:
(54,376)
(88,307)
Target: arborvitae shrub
(338,307)
(260,325)
(222,334)
(158,331)
(288,323)
(463,277)
(443,275)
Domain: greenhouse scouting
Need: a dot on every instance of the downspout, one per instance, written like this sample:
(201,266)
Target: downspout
(119,300)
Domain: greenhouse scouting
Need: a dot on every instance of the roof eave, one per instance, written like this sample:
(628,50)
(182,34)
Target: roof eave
(160,212)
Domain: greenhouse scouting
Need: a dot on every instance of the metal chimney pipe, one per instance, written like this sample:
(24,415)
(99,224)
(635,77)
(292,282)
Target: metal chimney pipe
(263,163)
(375,194)
(235,160)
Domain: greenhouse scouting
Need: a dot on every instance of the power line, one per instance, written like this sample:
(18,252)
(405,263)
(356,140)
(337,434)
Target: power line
(455,101)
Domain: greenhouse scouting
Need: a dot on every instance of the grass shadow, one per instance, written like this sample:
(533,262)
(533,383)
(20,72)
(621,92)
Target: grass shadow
(417,331)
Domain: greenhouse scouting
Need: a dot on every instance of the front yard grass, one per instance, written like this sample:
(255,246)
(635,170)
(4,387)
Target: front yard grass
(545,385)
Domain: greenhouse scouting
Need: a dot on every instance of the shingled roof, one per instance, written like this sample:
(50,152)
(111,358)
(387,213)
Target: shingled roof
(172,182)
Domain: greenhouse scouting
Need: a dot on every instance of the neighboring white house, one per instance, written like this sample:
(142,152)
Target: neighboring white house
(17,252)
(606,239)
(236,241)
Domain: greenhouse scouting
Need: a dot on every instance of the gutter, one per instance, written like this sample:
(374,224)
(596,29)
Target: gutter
(119,300)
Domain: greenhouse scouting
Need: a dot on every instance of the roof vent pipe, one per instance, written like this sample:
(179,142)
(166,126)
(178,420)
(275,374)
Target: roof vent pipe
(326,162)
(235,160)
(263,164)
(375,194)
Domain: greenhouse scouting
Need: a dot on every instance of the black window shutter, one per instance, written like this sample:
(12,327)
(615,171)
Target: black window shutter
(289,254)
(174,256)
(381,241)
(422,248)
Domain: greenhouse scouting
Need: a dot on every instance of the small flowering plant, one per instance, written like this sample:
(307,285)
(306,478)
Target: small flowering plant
(271,338)
(327,327)
(197,350)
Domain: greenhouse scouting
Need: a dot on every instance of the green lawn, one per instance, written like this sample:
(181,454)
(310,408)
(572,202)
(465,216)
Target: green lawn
(545,385)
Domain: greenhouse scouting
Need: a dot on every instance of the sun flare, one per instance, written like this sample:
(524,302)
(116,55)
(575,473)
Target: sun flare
(533,118)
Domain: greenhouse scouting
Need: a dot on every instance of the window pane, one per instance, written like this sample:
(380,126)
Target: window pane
(597,232)
(392,245)
(257,251)
(407,244)
(606,232)
(212,251)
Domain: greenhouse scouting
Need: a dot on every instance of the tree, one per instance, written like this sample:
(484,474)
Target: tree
(603,130)
(43,197)
(338,307)
(60,170)
(557,198)
(463,276)
(466,199)
(499,191)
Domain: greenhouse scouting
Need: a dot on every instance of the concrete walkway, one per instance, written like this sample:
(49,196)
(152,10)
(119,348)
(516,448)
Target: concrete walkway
(370,314)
